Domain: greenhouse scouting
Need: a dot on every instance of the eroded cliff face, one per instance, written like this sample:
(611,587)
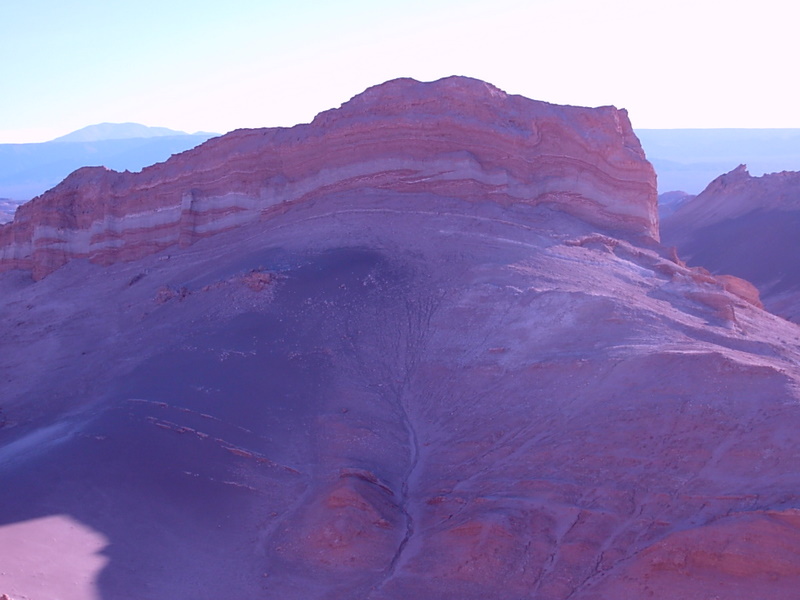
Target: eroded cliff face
(748,227)
(456,137)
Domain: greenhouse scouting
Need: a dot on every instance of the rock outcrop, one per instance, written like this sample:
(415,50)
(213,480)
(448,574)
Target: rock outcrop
(454,137)
(430,373)
(748,227)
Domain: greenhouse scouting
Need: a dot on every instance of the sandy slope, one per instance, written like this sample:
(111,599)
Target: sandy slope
(391,395)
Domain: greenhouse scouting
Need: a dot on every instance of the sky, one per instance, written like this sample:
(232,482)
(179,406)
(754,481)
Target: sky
(215,66)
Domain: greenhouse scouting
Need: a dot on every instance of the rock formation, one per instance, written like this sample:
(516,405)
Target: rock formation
(452,137)
(749,227)
(450,362)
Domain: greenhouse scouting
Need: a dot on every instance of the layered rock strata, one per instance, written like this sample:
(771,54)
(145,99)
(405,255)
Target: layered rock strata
(454,137)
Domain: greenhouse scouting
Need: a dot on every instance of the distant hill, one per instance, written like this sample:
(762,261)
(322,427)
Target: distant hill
(28,170)
(690,159)
(669,202)
(117,131)
(685,159)
(7,208)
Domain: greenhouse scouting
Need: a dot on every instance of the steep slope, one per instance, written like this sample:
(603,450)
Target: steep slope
(749,227)
(385,390)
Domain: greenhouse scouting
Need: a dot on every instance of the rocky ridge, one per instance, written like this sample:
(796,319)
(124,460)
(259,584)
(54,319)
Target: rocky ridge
(455,136)
(748,227)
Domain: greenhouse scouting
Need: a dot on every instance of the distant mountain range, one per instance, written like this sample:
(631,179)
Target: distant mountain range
(689,159)
(123,131)
(27,170)
(748,227)
(7,208)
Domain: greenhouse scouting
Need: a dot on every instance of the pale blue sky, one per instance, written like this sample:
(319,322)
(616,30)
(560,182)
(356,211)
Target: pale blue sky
(194,65)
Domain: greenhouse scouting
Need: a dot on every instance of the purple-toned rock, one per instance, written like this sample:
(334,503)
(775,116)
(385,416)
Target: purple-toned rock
(437,370)
(749,227)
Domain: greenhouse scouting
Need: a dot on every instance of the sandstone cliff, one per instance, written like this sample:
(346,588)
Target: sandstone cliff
(454,137)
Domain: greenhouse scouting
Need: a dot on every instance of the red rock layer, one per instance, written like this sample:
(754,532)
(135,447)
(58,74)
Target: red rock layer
(456,137)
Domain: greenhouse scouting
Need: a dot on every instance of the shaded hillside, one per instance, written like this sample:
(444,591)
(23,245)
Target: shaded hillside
(746,226)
